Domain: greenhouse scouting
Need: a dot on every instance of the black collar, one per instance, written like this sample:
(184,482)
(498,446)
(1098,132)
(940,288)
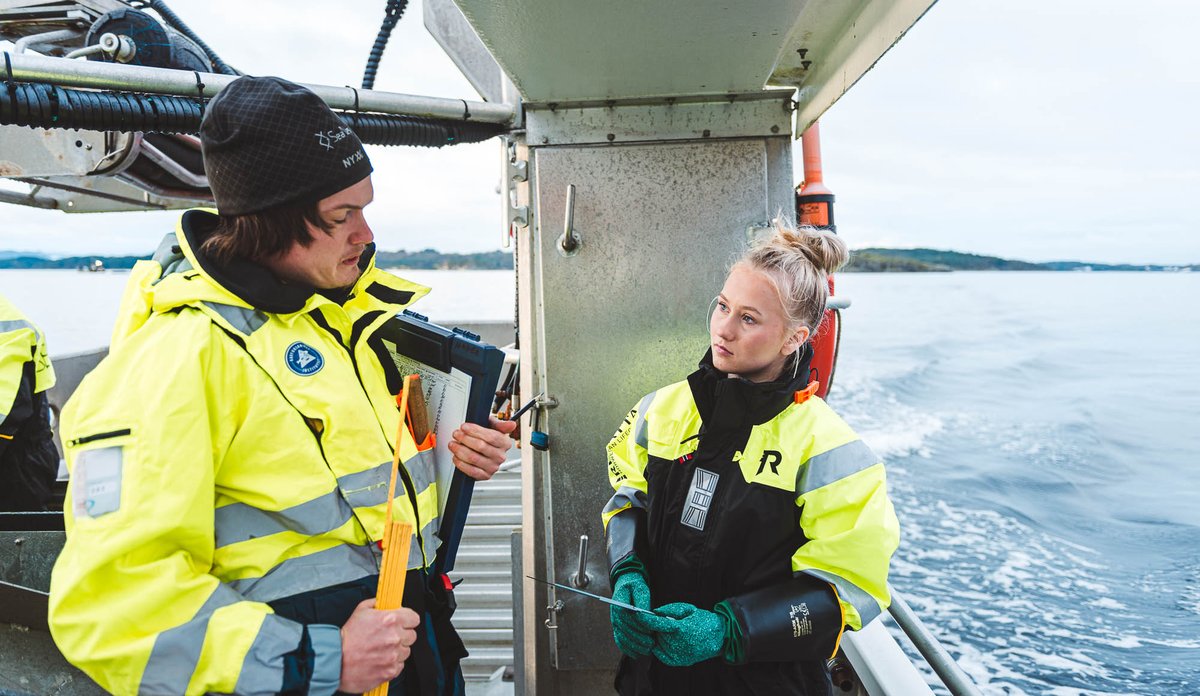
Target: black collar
(727,403)
(251,282)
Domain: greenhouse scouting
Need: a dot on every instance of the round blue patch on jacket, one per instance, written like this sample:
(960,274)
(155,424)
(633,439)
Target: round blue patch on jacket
(303,359)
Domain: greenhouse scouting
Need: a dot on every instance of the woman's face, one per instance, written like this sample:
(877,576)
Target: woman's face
(749,330)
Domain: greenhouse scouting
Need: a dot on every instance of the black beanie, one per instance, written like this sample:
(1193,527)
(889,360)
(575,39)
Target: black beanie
(269,142)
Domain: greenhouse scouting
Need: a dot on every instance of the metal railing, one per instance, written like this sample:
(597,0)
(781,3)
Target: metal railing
(943,665)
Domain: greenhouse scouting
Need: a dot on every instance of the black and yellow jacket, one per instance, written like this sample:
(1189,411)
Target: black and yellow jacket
(759,495)
(28,458)
(230,461)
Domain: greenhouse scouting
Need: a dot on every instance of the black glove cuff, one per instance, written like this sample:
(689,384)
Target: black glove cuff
(625,565)
(795,620)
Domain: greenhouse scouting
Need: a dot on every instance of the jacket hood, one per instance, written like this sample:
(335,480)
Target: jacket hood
(248,281)
(726,402)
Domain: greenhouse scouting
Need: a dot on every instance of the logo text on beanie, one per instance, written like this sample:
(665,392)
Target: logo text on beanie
(356,157)
(303,359)
(327,139)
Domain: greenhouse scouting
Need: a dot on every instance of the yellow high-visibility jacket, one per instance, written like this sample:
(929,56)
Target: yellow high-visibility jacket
(28,458)
(20,343)
(226,454)
(756,496)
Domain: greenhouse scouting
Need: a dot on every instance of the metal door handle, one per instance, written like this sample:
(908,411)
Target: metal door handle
(580,578)
(569,242)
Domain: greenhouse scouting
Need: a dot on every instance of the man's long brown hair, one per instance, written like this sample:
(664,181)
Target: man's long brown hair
(262,235)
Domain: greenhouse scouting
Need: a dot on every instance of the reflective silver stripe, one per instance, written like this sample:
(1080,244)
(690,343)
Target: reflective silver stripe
(165,254)
(17,324)
(170,258)
(866,605)
(699,498)
(626,495)
(619,536)
(262,670)
(369,488)
(639,425)
(241,522)
(180,265)
(342,563)
(176,651)
(327,661)
(243,319)
(834,465)
(431,540)
(422,470)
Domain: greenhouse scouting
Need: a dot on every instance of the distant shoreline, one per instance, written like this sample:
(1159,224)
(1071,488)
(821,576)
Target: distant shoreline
(880,260)
(870,260)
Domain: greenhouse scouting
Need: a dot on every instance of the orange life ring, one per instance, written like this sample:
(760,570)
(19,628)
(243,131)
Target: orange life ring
(825,348)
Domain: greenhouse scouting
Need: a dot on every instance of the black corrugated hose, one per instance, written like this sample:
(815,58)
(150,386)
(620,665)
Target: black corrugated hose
(391,16)
(173,19)
(48,106)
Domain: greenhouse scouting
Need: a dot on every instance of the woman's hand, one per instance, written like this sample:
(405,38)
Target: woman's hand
(685,635)
(479,451)
(629,633)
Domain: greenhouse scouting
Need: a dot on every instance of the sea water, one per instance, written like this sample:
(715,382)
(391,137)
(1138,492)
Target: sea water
(1043,451)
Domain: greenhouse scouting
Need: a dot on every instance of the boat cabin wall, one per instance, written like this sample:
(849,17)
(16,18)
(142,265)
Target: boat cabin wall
(657,220)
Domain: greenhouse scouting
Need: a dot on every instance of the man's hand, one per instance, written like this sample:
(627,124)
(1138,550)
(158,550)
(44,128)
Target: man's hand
(479,451)
(375,644)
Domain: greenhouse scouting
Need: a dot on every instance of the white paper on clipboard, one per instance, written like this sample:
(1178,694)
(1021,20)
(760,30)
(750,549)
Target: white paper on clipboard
(446,396)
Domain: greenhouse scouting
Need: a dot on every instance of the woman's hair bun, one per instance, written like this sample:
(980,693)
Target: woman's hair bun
(823,249)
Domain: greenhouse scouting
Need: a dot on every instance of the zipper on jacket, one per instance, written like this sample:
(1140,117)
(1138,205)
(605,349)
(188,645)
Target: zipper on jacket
(356,331)
(98,436)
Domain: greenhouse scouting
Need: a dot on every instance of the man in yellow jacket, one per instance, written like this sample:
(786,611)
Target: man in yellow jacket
(28,458)
(230,458)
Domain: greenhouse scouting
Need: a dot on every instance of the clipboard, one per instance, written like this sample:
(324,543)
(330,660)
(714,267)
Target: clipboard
(459,374)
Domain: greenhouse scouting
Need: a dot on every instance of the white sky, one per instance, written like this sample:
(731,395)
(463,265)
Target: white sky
(1031,129)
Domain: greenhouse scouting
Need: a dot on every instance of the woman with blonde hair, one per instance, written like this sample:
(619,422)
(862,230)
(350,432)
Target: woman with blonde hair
(747,515)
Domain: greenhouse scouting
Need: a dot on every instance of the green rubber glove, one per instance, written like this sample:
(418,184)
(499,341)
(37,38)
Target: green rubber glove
(628,631)
(685,635)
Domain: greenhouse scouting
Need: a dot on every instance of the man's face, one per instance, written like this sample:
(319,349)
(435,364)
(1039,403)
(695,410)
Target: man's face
(331,260)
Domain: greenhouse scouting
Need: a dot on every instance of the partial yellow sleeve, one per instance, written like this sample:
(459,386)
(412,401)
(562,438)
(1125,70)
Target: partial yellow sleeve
(851,527)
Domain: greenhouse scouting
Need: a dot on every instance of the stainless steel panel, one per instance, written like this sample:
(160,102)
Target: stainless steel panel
(659,224)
